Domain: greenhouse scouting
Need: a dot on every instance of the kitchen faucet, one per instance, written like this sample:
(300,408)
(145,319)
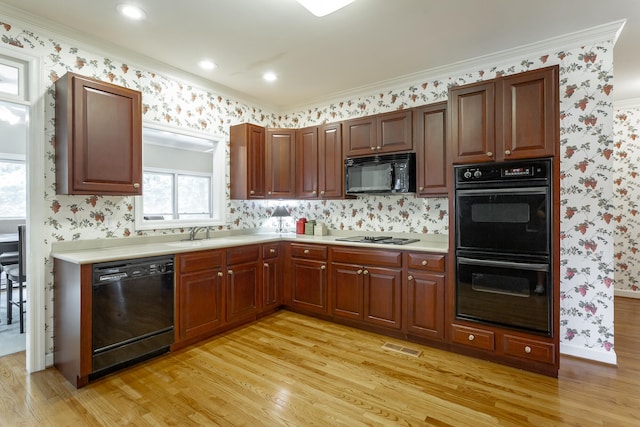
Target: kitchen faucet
(194,231)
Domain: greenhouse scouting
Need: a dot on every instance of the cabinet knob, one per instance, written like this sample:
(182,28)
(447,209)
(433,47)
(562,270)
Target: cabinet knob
(322,193)
(306,251)
(424,262)
(323,267)
(471,337)
(220,274)
(373,148)
(266,265)
(421,188)
(269,193)
(314,192)
(136,185)
(365,272)
(252,192)
(272,251)
(359,272)
(410,278)
(527,349)
(489,154)
(507,152)
(230,272)
(378,147)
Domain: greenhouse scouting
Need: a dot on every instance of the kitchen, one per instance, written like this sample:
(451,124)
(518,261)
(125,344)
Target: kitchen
(73,218)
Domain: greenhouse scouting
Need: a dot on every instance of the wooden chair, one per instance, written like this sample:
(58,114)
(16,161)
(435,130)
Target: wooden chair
(17,273)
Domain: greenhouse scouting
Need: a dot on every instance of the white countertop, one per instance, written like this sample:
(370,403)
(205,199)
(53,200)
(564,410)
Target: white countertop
(103,250)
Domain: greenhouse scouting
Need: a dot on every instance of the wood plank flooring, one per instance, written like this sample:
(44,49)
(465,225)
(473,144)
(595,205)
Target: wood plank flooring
(293,370)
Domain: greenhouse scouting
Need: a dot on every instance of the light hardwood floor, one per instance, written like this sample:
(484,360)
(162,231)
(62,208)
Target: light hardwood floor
(293,370)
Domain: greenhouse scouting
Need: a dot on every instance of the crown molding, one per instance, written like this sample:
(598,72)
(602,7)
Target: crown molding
(92,44)
(626,104)
(598,34)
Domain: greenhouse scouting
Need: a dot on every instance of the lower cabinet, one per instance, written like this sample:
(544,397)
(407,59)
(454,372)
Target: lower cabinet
(199,296)
(243,280)
(424,296)
(307,284)
(272,276)
(366,286)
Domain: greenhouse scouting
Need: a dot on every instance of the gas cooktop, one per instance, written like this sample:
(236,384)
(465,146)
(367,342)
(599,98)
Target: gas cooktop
(387,240)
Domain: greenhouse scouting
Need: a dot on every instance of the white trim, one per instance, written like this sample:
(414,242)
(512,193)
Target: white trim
(588,353)
(626,293)
(626,104)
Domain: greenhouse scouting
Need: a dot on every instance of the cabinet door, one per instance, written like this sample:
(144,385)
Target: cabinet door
(200,308)
(309,285)
(281,163)
(242,291)
(394,132)
(430,134)
(347,290)
(247,158)
(425,305)
(359,136)
(331,169)
(472,114)
(307,164)
(382,291)
(272,280)
(529,112)
(98,136)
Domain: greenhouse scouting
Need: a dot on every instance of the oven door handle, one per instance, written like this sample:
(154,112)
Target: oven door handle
(504,264)
(512,191)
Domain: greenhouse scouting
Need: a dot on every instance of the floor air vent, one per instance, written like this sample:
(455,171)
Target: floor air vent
(400,349)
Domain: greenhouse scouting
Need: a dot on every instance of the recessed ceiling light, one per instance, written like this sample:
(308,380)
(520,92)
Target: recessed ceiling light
(207,65)
(324,7)
(131,11)
(270,77)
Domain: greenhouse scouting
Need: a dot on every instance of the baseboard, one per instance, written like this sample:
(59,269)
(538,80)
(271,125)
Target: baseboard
(625,293)
(608,357)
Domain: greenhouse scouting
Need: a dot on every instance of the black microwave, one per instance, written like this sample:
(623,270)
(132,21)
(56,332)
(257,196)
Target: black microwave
(388,174)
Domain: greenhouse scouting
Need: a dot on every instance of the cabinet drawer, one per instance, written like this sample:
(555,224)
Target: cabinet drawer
(367,256)
(270,250)
(201,260)
(308,251)
(426,261)
(473,337)
(529,349)
(243,254)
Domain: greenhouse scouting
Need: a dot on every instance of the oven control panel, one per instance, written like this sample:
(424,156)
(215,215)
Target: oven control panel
(503,171)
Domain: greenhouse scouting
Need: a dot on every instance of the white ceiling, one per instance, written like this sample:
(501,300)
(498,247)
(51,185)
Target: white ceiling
(369,42)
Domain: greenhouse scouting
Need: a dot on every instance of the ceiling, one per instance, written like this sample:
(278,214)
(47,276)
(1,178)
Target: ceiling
(368,43)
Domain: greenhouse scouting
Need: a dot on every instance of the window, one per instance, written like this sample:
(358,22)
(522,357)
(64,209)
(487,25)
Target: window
(13,189)
(13,78)
(183,180)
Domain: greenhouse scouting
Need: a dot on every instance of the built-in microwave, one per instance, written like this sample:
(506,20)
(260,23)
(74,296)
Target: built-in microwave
(387,174)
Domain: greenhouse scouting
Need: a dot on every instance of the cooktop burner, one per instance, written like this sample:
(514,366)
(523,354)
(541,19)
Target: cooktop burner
(378,239)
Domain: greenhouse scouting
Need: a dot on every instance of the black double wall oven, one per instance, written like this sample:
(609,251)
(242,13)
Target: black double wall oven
(503,226)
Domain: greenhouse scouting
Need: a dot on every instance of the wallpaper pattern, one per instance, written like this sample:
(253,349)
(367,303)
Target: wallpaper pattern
(586,163)
(627,199)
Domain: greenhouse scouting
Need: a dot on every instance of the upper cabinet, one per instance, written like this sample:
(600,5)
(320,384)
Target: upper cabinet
(430,135)
(379,134)
(98,137)
(319,162)
(280,164)
(247,161)
(513,117)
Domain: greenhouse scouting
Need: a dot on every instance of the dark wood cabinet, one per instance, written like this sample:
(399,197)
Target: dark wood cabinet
(319,167)
(513,117)
(98,137)
(430,136)
(307,283)
(379,134)
(247,161)
(366,286)
(424,297)
(199,296)
(272,276)
(243,283)
(280,163)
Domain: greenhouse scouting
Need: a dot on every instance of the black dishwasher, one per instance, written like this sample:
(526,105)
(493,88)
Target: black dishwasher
(132,312)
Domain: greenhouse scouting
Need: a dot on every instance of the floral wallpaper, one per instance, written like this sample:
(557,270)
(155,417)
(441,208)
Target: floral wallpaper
(626,199)
(587,228)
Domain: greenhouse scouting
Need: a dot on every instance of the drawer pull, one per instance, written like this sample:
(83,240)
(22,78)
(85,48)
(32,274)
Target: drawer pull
(471,337)
(410,278)
(527,349)
(306,251)
(424,262)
